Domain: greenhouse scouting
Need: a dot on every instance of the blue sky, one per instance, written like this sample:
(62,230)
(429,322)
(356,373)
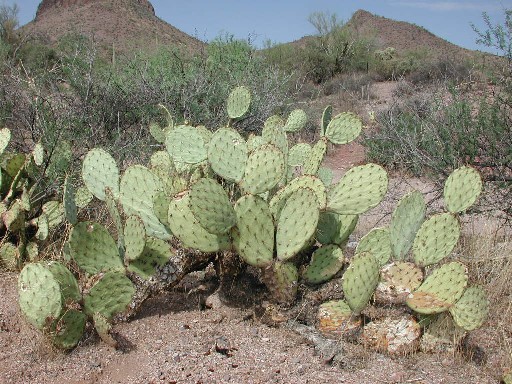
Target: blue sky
(286,20)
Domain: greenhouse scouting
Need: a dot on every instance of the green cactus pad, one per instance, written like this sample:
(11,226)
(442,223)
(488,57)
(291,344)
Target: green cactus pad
(185,227)
(111,295)
(9,256)
(239,102)
(278,201)
(155,254)
(67,282)
(100,171)
(461,189)
(14,217)
(343,128)
(297,120)
(210,205)
(134,238)
(54,211)
(40,296)
(13,163)
(282,282)
(335,229)
(43,227)
(139,186)
(82,197)
(378,243)
(326,175)
(360,280)
(5,137)
(436,239)
(440,290)
(37,154)
(161,160)
(254,142)
(265,168)
(276,135)
(161,207)
(274,121)
(471,310)
(60,159)
(405,222)
(325,263)
(157,133)
(326,119)
(93,249)
(68,202)
(360,189)
(186,145)
(32,251)
(227,154)
(313,162)
(298,154)
(68,330)
(253,236)
(115,215)
(297,223)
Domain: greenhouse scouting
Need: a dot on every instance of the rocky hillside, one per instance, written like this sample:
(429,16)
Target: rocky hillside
(120,24)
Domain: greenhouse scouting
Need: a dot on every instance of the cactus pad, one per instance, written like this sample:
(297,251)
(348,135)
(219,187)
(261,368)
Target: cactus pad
(325,263)
(157,133)
(82,197)
(100,171)
(343,128)
(282,281)
(9,256)
(440,290)
(253,236)
(239,102)
(110,295)
(397,281)
(210,205)
(360,189)
(461,189)
(471,310)
(298,154)
(297,120)
(326,119)
(393,336)
(297,223)
(335,319)
(37,154)
(67,282)
(67,331)
(186,145)
(436,239)
(5,137)
(405,222)
(155,254)
(227,154)
(378,243)
(70,209)
(265,168)
(54,211)
(360,280)
(326,175)
(335,229)
(313,162)
(134,238)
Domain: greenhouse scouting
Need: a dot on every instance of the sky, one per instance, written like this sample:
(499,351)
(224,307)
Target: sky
(287,20)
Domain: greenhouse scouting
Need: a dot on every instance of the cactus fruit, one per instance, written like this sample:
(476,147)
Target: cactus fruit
(297,223)
(265,168)
(134,238)
(360,189)
(239,102)
(186,145)
(110,295)
(471,310)
(405,222)
(336,320)
(325,263)
(253,236)
(360,280)
(335,229)
(436,239)
(297,120)
(100,171)
(343,128)
(227,154)
(461,189)
(397,281)
(440,290)
(210,205)
(378,243)
(93,249)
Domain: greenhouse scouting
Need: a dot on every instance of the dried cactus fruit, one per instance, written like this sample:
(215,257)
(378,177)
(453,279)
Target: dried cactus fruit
(378,243)
(186,145)
(343,128)
(297,223)
(265,168)
(360,280)
(436,239)
(111,295)
(100,171)
(135,238)
(185,227)
(336,320)
(394,336)
(316,156)
(253,236)
(405,222)
(210,205)
(471,310)
(297,120)
(360,189)
(335,229)
(239,102)
(440,290)
(397,281)
(325,263)
(228,154)
(93,248)
(156,254)
(461,189)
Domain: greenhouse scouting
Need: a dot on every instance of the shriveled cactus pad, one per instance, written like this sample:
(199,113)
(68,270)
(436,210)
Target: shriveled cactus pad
(397,281)
(394,336)
(336,319)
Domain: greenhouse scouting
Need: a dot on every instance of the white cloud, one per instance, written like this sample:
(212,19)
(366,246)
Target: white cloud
(448,5)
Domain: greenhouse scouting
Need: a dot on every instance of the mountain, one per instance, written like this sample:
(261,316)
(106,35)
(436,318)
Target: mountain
(124,25)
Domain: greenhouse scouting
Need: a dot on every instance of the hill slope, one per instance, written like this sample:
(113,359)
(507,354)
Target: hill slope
(122,24)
